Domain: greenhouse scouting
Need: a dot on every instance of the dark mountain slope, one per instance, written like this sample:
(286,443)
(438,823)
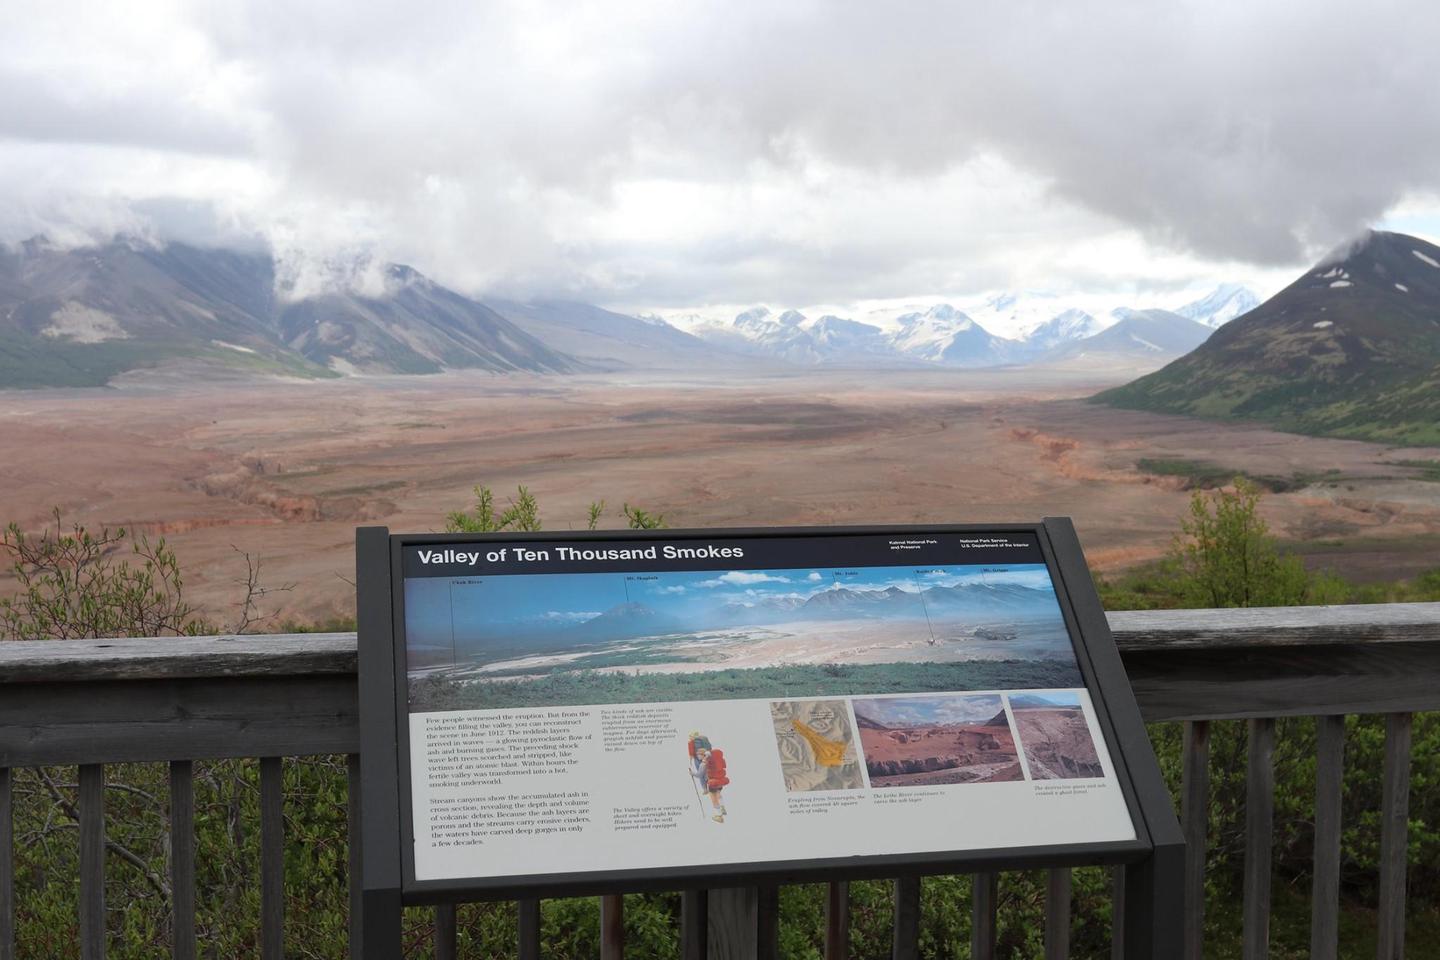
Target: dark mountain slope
(80,317)
(416,327)
(1350,349)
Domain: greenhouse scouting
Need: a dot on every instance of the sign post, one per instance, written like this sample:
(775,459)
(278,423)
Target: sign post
(846,702)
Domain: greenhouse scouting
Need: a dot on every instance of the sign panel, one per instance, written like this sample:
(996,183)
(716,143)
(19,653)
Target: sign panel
(586,706)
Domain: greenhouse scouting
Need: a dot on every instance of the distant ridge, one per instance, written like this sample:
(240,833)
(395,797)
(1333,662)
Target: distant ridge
(1138,334)
(81,317)
(1350,349)
(611,341)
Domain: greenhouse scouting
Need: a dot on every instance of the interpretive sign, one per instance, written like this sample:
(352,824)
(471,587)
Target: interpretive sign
(580,713)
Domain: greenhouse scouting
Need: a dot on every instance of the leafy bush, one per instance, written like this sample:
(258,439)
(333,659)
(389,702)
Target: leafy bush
(523,515)
(73,584)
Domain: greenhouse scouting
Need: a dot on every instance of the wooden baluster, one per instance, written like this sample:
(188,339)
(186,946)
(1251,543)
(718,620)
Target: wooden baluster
(272,859)
(1259,827)
(694,906)
(445,931)
(612,927)
(92,861)
(984,902)
(1057,913)
(767,922)
(1394,836)
(7,867)
(182,860)
(1117,913)
(743,923)
(528,928)
(837,921)
(1194,821)
(1325,891)
(356,919)
(730,934)
(906,940)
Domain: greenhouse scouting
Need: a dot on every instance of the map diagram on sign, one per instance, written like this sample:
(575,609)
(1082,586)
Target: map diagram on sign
(817,745)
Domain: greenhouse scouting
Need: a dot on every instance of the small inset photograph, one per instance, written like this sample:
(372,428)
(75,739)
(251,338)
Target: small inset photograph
(1055,736)
(923,741)
(817,745)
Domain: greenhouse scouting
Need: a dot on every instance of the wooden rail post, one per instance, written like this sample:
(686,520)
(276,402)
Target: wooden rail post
(527,933)
(1325,893)
(612,927)
(984,902)
(92,862)
(445,932)
(694,924)
(743,923)
(837,921)
(182,860)
(1394,836)
(1117,912)
(7,867)
(1259,828)
(1194,821)
(767,922)
(906,940)
(1057,913)
(272,859)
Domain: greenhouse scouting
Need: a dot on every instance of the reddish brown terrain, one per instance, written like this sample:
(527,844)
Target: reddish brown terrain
(922,755)
(286,470)
(1057,743)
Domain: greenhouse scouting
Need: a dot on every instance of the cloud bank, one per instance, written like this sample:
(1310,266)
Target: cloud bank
(685,154)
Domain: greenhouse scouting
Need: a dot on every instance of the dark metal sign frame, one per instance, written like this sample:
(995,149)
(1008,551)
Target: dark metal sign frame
(1154,861)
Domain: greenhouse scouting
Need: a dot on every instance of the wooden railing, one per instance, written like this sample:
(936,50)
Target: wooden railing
(94,702)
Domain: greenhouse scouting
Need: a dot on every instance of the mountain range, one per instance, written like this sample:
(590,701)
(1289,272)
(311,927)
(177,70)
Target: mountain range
(82,317)
(967,600)
(1350,349)
(943,335)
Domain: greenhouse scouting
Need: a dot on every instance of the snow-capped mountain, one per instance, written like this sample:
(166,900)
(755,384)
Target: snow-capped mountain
(1072,324)
(1016,313)
(1221,305)
(842,340)
(1137,336)
(794,338)
(1004,329)
(945,335)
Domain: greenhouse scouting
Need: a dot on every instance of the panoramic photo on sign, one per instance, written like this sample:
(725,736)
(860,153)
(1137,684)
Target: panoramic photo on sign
(612,705)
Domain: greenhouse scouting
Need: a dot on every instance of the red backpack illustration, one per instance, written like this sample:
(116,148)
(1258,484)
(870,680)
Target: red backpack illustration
(715,777)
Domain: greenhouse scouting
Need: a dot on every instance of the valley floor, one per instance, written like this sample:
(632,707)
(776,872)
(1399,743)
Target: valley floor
(285,471)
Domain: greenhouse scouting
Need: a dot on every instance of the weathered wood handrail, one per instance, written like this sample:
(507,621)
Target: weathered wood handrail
(185,698)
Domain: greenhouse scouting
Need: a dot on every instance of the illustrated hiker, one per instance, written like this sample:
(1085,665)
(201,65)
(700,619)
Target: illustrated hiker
(707,766)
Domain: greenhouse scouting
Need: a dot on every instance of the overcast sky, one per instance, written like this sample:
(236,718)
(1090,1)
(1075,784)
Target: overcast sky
(672,156)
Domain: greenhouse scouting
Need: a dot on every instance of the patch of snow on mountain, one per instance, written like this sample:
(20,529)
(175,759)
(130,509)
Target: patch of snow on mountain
(1429,260)
(1341,283)
(1402,288)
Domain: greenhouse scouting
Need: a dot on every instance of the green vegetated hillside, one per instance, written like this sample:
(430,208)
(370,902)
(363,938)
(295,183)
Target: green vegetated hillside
(1350,349)
(77,318)
(566,688)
